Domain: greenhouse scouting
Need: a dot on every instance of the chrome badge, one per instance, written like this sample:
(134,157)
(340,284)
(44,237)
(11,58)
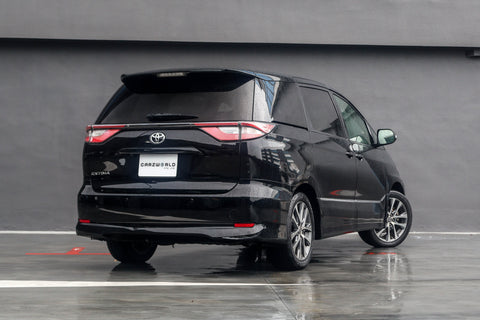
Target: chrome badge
(157,138)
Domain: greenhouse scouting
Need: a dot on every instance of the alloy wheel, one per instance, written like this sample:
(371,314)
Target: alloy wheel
(301,231)
(396,221)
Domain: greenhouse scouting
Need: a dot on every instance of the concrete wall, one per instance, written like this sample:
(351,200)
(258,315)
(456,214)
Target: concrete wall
(49,91)
(354,22)
(401,61)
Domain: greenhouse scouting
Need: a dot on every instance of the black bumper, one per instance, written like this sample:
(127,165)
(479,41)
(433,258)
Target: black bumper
(171,235)
(186,218)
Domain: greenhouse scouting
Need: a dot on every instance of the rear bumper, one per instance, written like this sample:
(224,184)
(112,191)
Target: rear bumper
(171,235)
(186,218)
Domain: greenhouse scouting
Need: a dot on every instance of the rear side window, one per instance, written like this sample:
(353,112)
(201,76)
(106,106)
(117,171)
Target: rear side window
(194,99)
(321,111)
(278,102)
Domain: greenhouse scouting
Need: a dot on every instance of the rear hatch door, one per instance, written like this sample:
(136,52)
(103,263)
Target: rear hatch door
(151,136)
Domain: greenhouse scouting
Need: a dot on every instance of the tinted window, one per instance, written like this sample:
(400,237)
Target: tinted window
(356,126)
(207,101)
(321,110)
(278,102)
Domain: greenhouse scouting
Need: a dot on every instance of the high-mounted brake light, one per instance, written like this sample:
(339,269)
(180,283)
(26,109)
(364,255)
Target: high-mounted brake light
(171,74)
(233,131)
(100,133)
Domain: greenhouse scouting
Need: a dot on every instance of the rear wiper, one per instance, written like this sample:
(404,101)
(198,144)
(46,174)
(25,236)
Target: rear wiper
(169,116)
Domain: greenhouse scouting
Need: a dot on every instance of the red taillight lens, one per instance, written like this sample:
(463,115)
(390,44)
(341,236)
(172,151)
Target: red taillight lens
(83,221)
(223,133)
(233,131)
(98,134)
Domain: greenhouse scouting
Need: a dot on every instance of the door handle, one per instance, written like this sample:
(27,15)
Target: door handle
(359,157)
(349,154)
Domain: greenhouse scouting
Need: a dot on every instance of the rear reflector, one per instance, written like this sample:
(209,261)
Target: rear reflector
(233,131)
(244,225)
(83,221)
(100,133)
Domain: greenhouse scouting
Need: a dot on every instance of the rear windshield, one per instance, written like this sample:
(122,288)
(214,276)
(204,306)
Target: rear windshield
(191,100)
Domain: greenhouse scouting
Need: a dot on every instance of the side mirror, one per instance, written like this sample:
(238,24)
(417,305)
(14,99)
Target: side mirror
(385,136)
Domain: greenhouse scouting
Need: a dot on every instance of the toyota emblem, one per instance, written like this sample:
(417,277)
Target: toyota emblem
(157,138)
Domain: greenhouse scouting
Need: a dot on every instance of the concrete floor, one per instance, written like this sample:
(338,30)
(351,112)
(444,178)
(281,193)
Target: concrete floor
(428,277)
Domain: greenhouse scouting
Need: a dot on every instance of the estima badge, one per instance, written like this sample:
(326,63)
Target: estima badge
(157,138)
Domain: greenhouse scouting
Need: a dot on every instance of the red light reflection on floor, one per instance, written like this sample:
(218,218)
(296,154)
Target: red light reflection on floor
(77,251)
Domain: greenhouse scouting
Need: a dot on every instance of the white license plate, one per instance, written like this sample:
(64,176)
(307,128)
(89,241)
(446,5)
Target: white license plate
(158,165)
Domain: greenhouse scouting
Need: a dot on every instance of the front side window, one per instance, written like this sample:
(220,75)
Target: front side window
(321,111)
(357,129)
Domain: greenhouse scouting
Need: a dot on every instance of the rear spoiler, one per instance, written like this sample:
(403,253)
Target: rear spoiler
(185,81)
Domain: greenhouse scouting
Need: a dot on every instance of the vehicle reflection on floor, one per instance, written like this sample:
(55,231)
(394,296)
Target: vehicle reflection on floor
(434,277)
(366,281)
(331,285)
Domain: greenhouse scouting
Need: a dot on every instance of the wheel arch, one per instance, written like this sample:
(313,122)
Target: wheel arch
(309,191)
(397,186)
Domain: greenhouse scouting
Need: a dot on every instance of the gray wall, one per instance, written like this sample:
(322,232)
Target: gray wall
(49,91)
(355,22)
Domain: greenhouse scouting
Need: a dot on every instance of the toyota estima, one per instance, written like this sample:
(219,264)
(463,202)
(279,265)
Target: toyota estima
(236,157)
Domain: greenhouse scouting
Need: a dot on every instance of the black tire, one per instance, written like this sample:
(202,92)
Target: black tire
(131,251)
(297,252)
(398,224)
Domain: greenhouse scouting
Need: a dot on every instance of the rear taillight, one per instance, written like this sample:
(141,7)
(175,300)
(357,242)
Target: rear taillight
(100,133)
(233,131)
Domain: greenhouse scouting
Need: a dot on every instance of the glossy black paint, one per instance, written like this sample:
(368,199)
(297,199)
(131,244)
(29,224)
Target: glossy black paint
(254,202)
(222,183)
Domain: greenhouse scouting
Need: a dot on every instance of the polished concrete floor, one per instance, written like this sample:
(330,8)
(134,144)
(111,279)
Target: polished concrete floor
(430,276)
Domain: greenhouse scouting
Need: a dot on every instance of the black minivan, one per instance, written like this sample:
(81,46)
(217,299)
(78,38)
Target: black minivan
(236,157)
